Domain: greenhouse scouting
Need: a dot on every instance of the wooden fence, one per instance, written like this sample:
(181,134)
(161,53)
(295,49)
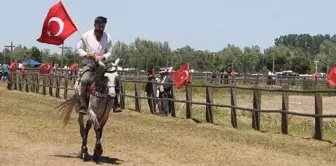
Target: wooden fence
(256,110)
(31,82)
(37,83)
(212,78)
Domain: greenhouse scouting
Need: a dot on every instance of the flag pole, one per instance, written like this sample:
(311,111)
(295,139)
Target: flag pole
(80,34)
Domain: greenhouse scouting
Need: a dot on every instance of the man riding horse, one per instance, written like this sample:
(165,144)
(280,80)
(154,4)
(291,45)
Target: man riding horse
(100,49)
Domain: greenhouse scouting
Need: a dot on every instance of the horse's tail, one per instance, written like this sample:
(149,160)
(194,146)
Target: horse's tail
(66,108)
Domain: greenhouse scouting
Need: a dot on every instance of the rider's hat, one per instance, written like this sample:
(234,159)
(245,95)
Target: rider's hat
(163,70)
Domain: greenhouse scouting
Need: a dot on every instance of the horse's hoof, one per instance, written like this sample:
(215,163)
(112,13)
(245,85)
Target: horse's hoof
(83,154)
(86,157)
(97,154)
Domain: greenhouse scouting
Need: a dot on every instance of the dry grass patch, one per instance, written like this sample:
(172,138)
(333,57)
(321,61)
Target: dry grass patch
(32,132)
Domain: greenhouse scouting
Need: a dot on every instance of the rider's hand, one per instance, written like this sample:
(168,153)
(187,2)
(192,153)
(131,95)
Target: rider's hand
(91,56)
(100,58)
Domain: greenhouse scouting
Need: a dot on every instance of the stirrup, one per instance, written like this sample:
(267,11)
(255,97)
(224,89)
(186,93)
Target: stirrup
(83,111)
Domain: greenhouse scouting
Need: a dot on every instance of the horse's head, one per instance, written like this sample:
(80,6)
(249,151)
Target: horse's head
(111,74)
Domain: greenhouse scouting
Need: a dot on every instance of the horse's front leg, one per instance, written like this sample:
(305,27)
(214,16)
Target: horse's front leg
(84,131)
(98,150)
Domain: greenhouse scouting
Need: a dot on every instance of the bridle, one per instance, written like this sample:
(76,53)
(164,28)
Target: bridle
(101,77)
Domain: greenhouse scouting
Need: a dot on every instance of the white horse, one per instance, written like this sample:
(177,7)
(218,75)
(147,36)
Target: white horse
(101,96)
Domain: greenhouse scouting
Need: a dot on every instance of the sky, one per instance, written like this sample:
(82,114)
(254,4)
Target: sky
(211,24)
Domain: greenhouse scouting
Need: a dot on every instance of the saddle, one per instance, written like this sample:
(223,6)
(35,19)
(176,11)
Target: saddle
(99,87)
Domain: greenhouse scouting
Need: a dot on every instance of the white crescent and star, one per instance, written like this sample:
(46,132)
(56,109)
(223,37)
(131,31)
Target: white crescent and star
(186,73)
(60,23)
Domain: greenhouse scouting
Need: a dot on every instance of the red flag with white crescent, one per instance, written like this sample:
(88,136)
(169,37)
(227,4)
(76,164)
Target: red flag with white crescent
(45,68)
(181,76)
(332,77)
(57,26)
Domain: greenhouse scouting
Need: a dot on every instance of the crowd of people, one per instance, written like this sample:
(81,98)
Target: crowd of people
(224,76)
(5,69)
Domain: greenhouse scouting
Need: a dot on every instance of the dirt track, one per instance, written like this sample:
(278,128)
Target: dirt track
(30,134)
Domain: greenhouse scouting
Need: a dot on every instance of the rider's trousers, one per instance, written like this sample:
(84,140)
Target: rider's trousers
(86,80)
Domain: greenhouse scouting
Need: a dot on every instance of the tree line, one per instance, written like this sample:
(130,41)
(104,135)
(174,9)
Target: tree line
(296,52)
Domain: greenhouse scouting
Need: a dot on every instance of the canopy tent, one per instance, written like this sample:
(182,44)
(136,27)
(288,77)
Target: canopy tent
(31,62)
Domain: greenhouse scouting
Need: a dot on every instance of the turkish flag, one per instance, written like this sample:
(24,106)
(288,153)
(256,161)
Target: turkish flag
(181,76)
(74,66)
(57,26)
(45,68)
(332,77)
(12,66)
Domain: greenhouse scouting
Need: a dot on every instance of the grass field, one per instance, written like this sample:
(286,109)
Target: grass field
(31,135)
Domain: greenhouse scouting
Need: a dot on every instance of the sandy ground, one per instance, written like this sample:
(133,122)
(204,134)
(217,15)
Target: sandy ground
(30,134)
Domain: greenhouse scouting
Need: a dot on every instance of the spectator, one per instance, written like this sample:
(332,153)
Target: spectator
(214,76)
(149,89)
(1,71)
(165,91)
(116,107)
(20,66)
(233,75)
(5,72)
(271,79)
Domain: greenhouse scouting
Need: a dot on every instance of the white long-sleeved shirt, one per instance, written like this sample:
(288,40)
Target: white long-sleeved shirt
(97,48)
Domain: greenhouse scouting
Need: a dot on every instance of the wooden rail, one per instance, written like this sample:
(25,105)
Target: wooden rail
(256,110)
(37,83)
(213,78)
(58,84)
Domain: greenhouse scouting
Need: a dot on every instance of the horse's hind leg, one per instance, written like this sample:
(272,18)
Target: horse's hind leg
(84,131)
(98,150)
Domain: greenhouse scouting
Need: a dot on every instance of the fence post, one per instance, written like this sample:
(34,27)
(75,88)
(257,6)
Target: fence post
(137,100)
(26,82)
(256,105)
(37,82)
(34,82)
(51,78)
(318,120)
(122,97)
(10,81)
(20,81)
(172,103)
(233,110)
(16,80)
(66,86)
(209,99)
(188,98)
(31,82)
(284,116)
(154,102)
(44,84)
(58,86)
